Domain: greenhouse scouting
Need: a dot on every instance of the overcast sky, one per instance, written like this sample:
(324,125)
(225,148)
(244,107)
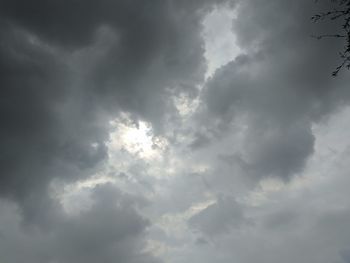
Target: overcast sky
(172,131)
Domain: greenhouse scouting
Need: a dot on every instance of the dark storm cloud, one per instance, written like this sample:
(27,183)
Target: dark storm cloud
(39,139)
(279,86)
(110,231)
(158,45)
(72,23)
(68,66)
(66,69)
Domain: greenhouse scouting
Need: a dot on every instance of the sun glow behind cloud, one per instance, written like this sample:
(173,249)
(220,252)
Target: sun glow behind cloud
(133,143)
(135,138)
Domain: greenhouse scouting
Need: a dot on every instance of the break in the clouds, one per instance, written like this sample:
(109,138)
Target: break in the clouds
(171,131)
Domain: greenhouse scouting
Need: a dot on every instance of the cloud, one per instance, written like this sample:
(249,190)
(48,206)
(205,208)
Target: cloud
(67,69)
(41,136)
(116,91)
(64,79)
(219,218)
(304,219)
(111,229)
(277,88)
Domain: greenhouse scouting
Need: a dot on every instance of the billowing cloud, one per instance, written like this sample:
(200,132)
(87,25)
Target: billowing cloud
(277,88)
(171,131)
(109,230)
(68,68)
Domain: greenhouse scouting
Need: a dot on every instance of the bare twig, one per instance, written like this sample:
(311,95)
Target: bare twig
(342,12)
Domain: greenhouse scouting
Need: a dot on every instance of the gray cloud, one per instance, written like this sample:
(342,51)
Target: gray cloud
(41,137)
(219,218)
(278,88)
(304,220)
(66,70)
(110,230)
(69,67)
(63,79)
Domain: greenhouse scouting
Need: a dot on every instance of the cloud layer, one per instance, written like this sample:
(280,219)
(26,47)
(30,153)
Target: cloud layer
(143,131)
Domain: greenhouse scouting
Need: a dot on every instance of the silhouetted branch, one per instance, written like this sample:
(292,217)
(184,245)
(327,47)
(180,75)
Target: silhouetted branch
(342,12)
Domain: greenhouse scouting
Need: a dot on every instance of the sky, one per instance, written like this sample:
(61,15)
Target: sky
(172,131)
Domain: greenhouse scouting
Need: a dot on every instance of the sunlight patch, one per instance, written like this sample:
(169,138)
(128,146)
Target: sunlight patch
(136,138)
(220,41)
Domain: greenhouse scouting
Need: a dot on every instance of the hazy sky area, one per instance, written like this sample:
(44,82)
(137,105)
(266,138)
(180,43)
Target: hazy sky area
(172,131)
